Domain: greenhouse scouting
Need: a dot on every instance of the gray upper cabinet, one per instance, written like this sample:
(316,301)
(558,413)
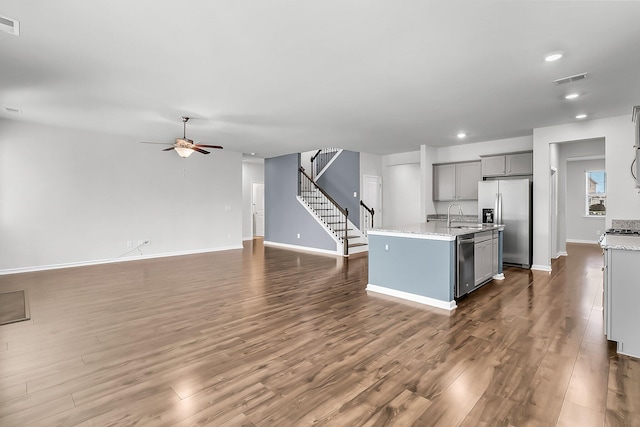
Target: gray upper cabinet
(467,177)
(494,166)
(508,164)
(520,163)
(444,182)
(456,181)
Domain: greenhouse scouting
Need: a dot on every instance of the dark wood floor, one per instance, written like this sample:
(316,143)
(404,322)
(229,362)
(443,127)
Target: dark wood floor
(270,337)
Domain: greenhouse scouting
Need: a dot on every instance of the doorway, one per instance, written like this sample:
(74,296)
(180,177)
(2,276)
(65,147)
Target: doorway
(257,204)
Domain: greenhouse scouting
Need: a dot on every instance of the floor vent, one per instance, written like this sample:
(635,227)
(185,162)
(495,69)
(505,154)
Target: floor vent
(9,25)
(571,79)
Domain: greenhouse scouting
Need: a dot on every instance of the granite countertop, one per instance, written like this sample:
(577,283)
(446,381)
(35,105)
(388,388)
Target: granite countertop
(437,229)
(627,243)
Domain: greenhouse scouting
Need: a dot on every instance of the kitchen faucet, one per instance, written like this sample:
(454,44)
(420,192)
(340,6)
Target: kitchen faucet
(449,213)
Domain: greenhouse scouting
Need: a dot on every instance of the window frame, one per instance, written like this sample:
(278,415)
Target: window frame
(588,194)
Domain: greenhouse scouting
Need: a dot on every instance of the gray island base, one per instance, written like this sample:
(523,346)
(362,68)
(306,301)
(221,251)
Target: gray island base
(418,262)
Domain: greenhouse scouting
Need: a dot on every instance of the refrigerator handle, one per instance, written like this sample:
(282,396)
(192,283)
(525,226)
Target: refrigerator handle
(499,207)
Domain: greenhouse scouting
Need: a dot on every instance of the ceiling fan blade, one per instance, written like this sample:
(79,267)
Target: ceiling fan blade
(209,146)
(161,143)
(200,150)
(168,149)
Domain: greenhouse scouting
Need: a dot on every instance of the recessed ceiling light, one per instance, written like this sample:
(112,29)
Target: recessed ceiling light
(253,154)
(553,56)
(461,135)
(572,96)
(581,116)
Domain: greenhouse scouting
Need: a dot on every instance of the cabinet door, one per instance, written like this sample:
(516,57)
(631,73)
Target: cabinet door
(467,177)
(482,261)
(444,182)
(493,166)
(520,164)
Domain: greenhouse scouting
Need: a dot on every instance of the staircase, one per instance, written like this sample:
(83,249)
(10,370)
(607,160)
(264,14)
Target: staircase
(333,217)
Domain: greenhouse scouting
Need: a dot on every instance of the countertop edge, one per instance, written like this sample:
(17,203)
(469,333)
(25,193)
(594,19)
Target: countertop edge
(413,235)
(623,243)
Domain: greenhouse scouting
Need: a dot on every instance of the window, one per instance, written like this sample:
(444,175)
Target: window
(596,193)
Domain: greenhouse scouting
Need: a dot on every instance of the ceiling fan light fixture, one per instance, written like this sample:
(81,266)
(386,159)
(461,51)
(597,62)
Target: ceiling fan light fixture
(183,152)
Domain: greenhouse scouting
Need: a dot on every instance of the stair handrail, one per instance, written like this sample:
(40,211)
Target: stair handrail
(313,158)
(343,211)
(323,161)
(368,209)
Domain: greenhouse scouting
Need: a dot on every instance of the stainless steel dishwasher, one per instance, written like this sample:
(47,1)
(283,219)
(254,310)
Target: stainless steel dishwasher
(465,256)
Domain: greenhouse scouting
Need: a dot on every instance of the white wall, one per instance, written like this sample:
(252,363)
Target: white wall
(401,189)
(252,171)
(305,160)
(73,197)
(581,228)
(402,195)
(623,200)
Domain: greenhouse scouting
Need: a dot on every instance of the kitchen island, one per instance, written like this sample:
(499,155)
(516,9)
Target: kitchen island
(418,262)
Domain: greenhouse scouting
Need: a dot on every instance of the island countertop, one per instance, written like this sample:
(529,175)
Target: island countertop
(436,230)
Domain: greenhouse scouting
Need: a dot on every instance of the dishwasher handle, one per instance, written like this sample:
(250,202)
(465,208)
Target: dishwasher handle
(466,239)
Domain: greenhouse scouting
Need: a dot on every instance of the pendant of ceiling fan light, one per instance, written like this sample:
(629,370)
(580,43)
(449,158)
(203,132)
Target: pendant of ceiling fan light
(183,152)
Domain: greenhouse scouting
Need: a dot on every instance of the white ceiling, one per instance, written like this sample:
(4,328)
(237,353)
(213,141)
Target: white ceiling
(280,76)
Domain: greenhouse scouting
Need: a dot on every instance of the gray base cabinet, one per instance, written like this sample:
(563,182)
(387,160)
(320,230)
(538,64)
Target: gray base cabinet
(621,297)
(483,261)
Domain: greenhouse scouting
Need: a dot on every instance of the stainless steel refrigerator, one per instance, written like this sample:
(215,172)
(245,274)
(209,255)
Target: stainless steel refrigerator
(509,202)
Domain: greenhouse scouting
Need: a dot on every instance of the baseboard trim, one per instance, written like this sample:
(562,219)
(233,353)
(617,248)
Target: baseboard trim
(590,242)
(301,248)
(447,305)
(561,253)
(541,267)
(111,261)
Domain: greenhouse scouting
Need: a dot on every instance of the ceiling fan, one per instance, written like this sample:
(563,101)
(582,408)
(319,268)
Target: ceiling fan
(184,146)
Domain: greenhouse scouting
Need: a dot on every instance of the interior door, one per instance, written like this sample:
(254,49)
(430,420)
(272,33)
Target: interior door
(257,199)
(372,197)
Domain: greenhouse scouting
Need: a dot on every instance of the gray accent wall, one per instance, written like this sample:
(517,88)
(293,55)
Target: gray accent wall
(285,217)
(341,180)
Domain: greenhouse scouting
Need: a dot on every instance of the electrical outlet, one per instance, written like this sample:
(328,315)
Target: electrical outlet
(129,243)
(298,235)
(355,194)
(386,248)
(598,232)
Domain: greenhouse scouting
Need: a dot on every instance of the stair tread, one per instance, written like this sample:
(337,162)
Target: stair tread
(353,245)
